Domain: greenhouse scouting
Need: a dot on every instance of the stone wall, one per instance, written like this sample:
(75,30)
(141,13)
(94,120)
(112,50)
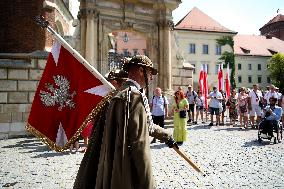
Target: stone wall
(19,77)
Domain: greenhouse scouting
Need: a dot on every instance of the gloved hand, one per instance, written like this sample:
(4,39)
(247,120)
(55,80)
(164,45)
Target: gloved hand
(171,143)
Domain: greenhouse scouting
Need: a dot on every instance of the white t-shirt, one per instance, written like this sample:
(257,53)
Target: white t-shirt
(270,94)
(191,96)
(200,101)
(214,102)
(253,97)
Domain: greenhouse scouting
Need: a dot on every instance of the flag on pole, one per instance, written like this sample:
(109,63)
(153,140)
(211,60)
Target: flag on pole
(220,78)
(67,97)
(201,80)
(205,83)
(228,85)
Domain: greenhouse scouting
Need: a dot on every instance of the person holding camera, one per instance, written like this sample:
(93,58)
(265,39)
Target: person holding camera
(272,115)
(215,105)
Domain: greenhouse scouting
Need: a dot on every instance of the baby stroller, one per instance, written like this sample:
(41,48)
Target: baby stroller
(262,131)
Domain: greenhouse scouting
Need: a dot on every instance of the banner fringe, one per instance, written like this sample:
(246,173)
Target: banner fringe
(95,113)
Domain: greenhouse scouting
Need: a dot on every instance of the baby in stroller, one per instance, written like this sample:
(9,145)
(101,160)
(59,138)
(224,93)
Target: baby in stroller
(271,121)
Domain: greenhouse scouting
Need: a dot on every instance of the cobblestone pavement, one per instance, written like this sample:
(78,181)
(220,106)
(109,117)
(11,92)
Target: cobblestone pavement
(231,158)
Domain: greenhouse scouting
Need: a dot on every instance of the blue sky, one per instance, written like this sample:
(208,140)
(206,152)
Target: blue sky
(242,16)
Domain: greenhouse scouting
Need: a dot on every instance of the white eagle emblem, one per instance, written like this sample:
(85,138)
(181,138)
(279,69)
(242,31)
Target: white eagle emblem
(59,95)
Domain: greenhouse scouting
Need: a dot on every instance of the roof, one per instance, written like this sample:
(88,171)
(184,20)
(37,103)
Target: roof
(253,45)
(198,20)
(278,18)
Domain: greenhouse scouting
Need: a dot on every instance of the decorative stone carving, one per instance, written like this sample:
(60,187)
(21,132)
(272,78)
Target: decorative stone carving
(126,25)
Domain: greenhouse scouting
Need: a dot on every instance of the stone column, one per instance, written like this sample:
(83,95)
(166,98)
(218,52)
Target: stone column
(168,59)
(83,34)
(91,38)
(165,76)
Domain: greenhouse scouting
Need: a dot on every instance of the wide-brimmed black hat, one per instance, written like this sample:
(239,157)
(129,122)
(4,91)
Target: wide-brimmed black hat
(140,60)
(116,74)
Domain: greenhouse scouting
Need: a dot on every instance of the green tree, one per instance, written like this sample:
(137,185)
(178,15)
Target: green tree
(276,70)
(228,57)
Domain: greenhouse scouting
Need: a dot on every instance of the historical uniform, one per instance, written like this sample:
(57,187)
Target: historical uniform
(118,156)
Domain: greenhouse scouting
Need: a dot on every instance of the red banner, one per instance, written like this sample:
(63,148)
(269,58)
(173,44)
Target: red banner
(66,95)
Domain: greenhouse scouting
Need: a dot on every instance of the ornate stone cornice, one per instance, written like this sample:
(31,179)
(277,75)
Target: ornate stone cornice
(88,13)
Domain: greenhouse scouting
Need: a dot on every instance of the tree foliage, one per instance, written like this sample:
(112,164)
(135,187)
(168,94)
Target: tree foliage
(228,57)
(276,70)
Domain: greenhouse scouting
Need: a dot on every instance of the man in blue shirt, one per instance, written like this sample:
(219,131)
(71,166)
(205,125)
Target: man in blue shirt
(159,107)
(272,114)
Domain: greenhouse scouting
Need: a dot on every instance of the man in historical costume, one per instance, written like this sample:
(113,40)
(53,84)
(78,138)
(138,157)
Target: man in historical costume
(118,155)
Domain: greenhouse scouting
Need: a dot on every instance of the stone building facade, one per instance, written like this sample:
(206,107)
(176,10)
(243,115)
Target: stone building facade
(24,48)
(196,36)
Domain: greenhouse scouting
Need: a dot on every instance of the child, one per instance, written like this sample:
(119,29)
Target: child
(199,106)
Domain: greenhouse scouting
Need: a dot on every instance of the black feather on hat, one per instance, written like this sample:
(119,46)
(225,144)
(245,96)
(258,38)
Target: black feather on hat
(140,60)
(116,74)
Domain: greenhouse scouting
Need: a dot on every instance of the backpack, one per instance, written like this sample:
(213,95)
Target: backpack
(194,94)
(163,99)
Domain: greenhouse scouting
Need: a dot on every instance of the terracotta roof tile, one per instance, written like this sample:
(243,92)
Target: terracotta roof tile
(198,20)
(278,18)
(253,45)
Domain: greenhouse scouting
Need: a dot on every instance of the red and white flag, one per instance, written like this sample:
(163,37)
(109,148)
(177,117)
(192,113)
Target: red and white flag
(228,84)
(205,83)
(65,98)
(220,78)
(201,80)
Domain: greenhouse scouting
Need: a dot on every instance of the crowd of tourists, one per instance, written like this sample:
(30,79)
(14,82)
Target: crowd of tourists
(244,106)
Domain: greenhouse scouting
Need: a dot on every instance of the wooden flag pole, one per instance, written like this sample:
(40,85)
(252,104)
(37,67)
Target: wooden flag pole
(186,158)
(45,24)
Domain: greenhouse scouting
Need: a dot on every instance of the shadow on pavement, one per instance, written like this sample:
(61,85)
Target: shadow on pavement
(198,127)
(158,146)
(51,154)
(231,129)
(29,145)
(255,143)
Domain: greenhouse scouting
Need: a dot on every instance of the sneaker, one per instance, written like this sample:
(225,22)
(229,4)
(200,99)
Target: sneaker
(179,143)
(210,124)
(195,122)
(188,121)
(203,122)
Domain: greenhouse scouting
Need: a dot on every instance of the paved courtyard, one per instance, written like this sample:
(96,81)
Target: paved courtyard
(231,158)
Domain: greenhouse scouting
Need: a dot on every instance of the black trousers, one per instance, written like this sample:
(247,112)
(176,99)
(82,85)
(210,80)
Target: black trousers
(159,120)
(267,126)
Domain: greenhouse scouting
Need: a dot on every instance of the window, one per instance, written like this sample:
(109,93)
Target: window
(240,79)
(239,66)
(205,49)
(259,67)
(249,79)
(259,79)
(216,69)
(218,49)
(135,52)
(125,52)
(193,63)
(268,80)
(194,69)
(191,48)
(249,66)
(145,52)
(207,68)
(206,63)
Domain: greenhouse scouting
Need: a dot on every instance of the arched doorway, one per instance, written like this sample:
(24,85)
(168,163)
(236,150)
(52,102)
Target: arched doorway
(150,19)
